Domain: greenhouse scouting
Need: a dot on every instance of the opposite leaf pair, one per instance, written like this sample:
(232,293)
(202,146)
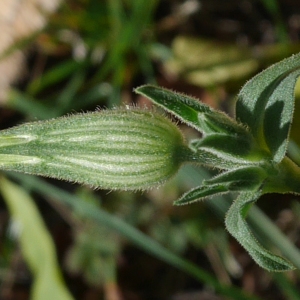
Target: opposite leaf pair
(225,145)
(249,151)
(136,149)
(245,168)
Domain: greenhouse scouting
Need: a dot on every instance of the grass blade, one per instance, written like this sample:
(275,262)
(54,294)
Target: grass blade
(36,244)
(136,237)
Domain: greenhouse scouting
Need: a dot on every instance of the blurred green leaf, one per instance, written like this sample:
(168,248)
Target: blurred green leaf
(29,106)
(36,244)
(94,254)
(55,75)
(65,98)
(286,285)
(208,63)
(274,9)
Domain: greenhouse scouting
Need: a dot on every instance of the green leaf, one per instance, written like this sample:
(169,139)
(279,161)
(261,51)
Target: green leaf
(264,227)
(36,244)
(213,158)
(229,145)
(221,123)
(237,227)
(191,111)
(245,178)
(266,103)
(111,149)
(200,193)
(242,179)
(186,108)
(225,151)
(55,75)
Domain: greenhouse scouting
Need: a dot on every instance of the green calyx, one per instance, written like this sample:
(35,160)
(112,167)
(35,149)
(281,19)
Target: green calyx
(111,149)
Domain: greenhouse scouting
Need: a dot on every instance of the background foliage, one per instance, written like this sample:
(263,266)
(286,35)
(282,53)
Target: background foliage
(138,246)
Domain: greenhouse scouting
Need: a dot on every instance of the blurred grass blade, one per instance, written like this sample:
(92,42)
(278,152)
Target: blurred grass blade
(36,244)
(30,106)
(209,63)
(65,98)
(289,290)
(139,239)
(269,233)
(274,9)
(92,97)
(55,75)
(126,21)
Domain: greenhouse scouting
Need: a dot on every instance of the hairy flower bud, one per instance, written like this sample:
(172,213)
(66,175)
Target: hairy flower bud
(111,149)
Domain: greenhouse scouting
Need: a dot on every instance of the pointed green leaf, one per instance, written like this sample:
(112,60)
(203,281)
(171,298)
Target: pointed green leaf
(213,158)
(191,111)
(237,227)
(185,108)
(36,244)
(200,193)
(233,146)
(221,123)
(242,179)
(225,151)
(266,103)
(245,178)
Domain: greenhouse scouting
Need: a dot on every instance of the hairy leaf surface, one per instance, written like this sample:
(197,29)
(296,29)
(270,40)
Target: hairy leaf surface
(266,104)
(191,111)
(242,179)
(200,193)
(237,227)
(111,149)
